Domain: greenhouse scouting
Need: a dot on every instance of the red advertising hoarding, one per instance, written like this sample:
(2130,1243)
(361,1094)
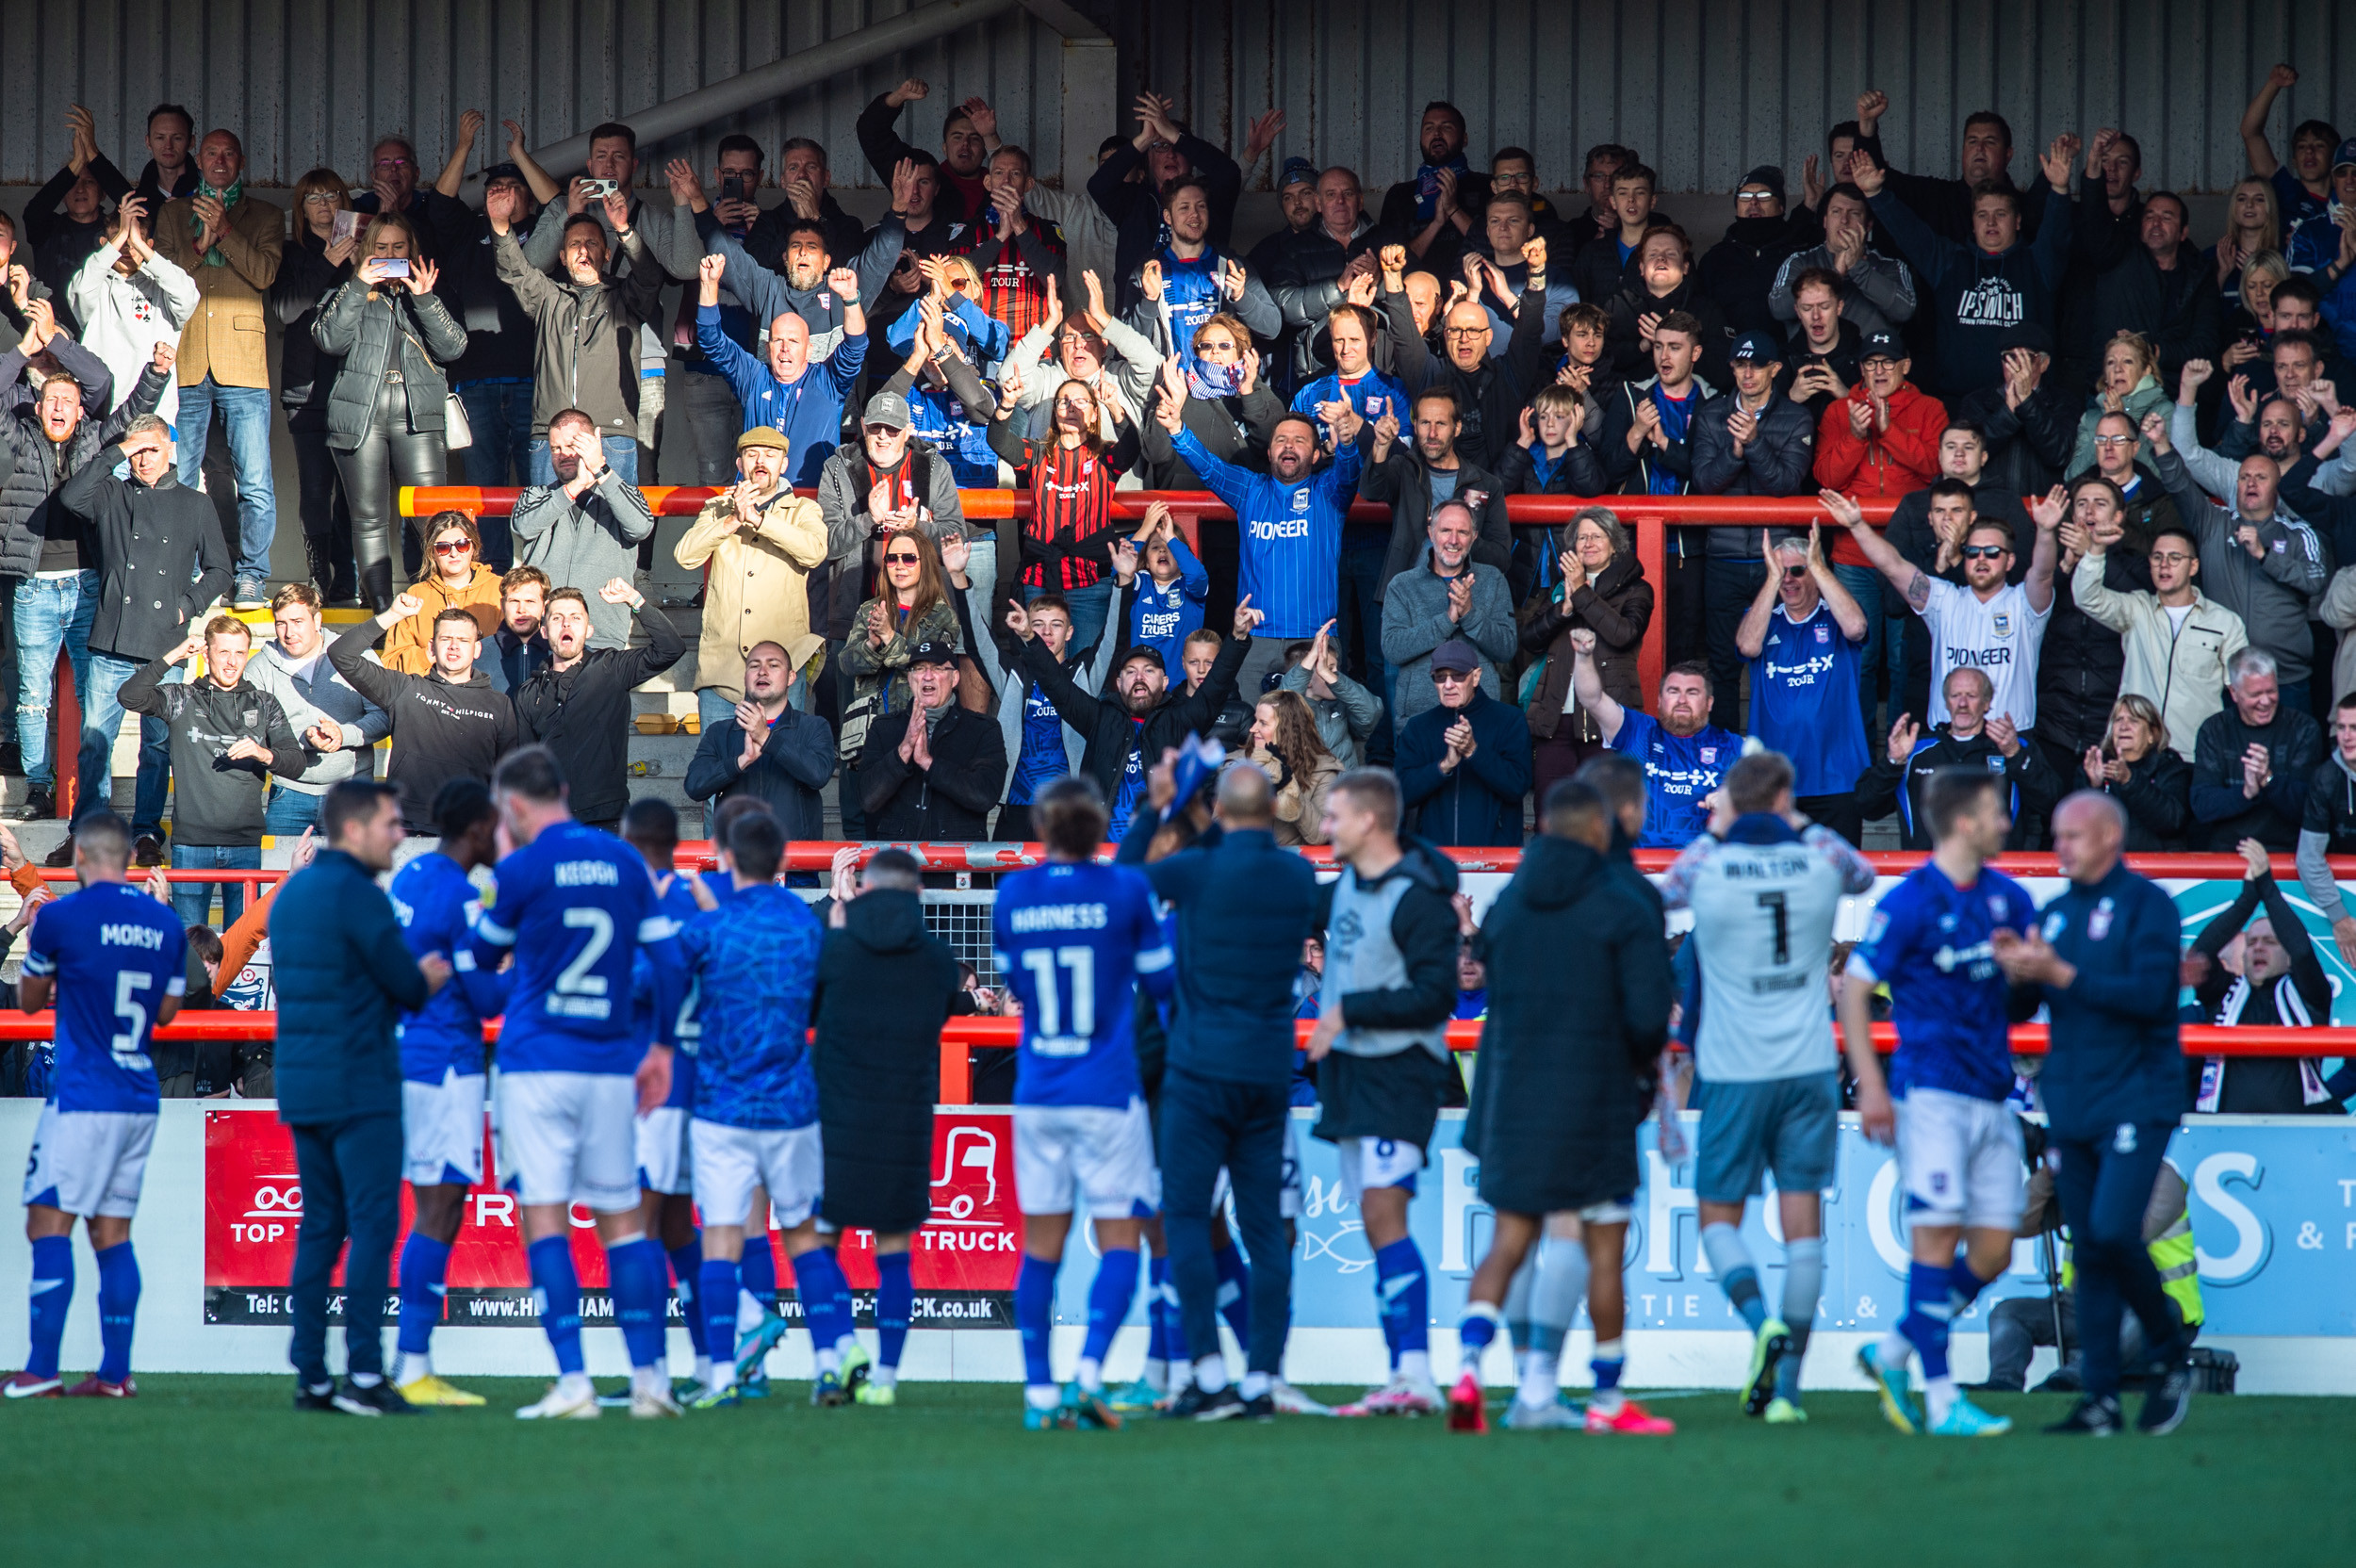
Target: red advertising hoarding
(965,1258)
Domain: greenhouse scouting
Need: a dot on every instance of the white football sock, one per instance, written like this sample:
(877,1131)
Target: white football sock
(1210,1374)
(1938,1397)
(1540,1375)
(1416,1366)
(1253,1385)
(414,1365)
(1895,1351)
(1091,1374)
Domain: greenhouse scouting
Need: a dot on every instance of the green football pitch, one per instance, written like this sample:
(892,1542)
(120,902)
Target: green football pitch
(204,1470)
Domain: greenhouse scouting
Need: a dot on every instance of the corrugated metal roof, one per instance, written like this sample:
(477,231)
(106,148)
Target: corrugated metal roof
(1707,90)
(1704,89)
(306,83)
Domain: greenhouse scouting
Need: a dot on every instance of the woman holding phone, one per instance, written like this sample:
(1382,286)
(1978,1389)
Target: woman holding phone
(316,263)
(385,409)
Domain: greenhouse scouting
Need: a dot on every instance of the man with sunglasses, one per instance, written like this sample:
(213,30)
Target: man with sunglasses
(1802,635)
(1988,624)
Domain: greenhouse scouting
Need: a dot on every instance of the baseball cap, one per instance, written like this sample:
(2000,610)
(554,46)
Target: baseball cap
(889,408)
(503,171)
(1297,172)
(1758,347)
(2345,155)
(1456,656)
(765,436)
(931,652)
(2025,335)
(1881,345)
(1768,176)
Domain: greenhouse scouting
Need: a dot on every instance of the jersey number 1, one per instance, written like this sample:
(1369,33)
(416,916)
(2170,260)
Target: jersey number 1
(1050,1038)
(1776,908)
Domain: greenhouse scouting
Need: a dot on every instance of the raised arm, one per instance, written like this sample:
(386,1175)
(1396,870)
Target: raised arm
(1587,685)
(1896,569)
(2263,162)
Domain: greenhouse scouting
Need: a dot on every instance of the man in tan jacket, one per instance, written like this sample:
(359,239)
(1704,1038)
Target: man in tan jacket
(230,242)
(762,542)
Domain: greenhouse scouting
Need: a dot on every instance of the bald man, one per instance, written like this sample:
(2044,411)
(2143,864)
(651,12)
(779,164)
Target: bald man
(2102,958)
(1244,908)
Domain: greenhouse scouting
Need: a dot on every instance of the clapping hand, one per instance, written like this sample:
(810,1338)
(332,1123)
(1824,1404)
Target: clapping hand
(1460,596)
(2257,767)
(324,736)
(2005,734)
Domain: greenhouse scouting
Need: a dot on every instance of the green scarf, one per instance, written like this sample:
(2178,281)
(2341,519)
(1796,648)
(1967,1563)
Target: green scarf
(228,200)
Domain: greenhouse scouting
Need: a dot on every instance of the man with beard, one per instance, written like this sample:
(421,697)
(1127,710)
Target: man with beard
(1684,755)
(578,705)
(1127,729)
(1948,207)
(1435,206)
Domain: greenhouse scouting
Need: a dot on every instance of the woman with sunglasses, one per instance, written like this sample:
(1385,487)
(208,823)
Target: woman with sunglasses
(314,266)
(384,410)
(454,574)
(911,606)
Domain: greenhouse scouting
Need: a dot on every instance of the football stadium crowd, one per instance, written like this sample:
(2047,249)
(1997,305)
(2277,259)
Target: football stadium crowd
(2106,615)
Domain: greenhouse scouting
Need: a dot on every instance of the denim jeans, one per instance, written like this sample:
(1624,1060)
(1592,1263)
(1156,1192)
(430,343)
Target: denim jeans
(101,720)
(245,410)
(500,413)
(49,612)
(621,455)
(1091,607)
(1864,584)
(191,902)
(289,811)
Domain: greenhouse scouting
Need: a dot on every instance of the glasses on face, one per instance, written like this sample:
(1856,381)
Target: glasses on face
(900,560)
(451,546)
(1451,677)
(1466,332)
(1982,553)
(2170,558)
(2114,440)
(318,199)
(1753,198)
(1793,574)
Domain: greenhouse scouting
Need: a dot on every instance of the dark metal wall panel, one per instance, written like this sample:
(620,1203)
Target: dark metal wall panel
(1704,89)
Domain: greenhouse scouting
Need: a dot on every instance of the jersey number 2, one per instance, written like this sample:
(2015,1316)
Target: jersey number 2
(1050,1038)
(577,980)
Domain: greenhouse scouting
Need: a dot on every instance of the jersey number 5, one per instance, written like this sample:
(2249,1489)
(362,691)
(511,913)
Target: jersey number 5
(1051,1039)
(133,1012)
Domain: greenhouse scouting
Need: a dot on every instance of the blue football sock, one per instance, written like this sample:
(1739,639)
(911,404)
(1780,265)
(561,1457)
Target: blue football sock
(1109,1297)
(53,1293)
(1607,1370)
(1033,1316)
(687,1265)
(758,1269)
(1160,1329)
(825,1297)
(118,1309)
(558,1289)
(716,1284)
(1737,1274)
(895,1300)
(1963,1287)
(1234,1290)
(638,1272)
(1925,1324)
(424,1265)
(1402,1296)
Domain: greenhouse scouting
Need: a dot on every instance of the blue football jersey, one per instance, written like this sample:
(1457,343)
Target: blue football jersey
(1931,942)
(437,906)
(1071,942)
(574,905)
(754,964)
(648,994)
(1803,702)
(1680,773)
(114,954)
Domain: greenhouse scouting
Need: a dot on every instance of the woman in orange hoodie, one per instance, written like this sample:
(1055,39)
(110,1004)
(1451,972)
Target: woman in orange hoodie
(454,574)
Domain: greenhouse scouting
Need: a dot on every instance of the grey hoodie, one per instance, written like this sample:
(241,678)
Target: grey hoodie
(2270,592)
(1415,621)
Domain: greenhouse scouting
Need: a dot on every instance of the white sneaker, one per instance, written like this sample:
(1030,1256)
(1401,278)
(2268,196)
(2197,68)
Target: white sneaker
(1291,1401)
(653,1403)
(1401,1396)
(557,1405)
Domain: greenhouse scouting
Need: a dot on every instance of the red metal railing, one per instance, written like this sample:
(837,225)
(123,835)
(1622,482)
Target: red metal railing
(961,1035)
(1648,519)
